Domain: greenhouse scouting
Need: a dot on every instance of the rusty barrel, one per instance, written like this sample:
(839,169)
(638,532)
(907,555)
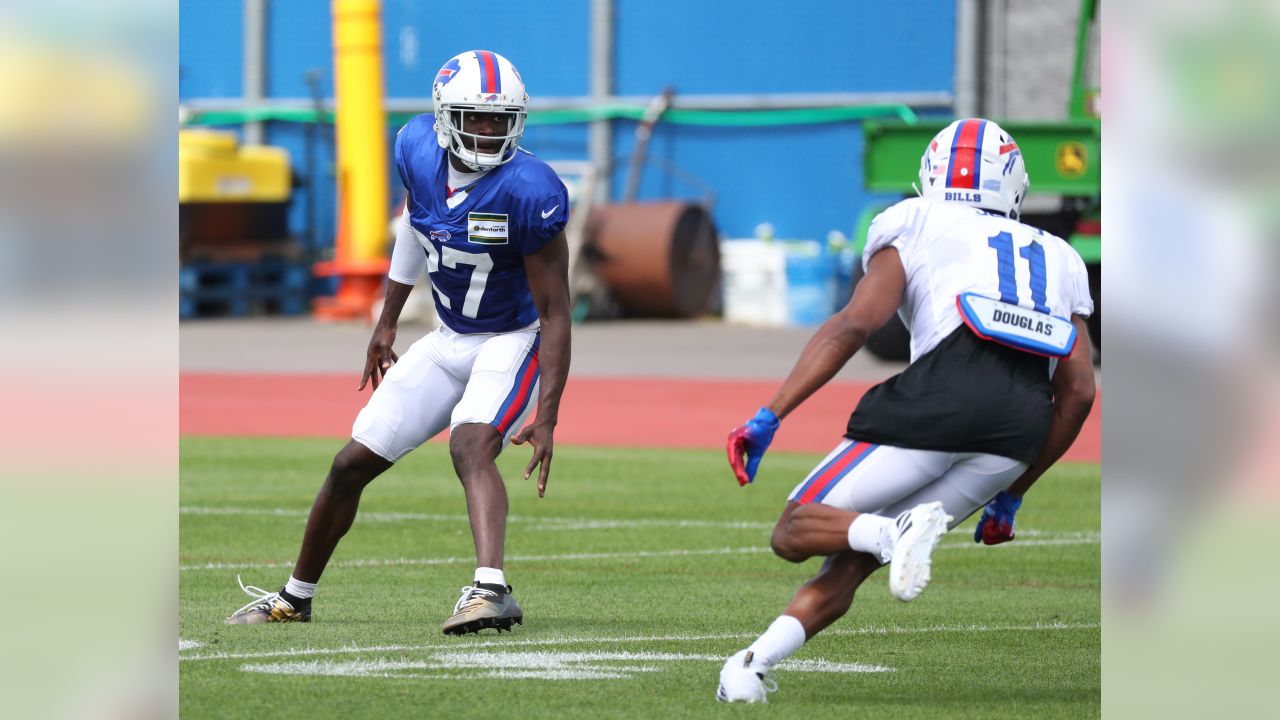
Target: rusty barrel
(658,259)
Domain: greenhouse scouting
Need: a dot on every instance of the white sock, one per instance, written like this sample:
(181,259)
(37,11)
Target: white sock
(490,576)
(299,589)
(784,637)
(872,534)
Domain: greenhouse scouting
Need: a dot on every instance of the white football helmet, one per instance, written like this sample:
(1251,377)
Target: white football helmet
(478,81)
(975,162)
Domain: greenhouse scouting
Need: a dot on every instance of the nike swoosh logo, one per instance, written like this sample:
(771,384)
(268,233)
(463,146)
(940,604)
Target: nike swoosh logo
(547,214)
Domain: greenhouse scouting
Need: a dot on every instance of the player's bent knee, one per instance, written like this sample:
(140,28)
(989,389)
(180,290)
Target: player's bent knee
(355,466)
(783,540)
(473,443)
(783,545)
(784,551)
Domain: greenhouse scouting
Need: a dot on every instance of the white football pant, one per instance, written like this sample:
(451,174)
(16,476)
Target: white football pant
(448,379)
(887,480)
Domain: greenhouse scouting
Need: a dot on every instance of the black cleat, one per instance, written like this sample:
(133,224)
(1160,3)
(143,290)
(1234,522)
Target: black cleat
(268,607)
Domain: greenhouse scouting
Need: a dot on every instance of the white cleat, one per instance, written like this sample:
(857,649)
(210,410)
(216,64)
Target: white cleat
(919,530)
(739,682)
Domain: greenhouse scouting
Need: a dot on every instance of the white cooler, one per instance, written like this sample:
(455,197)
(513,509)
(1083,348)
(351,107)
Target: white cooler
(754,278)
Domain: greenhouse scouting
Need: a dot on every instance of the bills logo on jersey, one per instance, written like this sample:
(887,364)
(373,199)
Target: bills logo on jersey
(447,72)
(440,236)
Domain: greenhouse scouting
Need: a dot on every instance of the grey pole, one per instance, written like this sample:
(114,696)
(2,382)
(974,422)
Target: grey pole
(967,41)
(255,69)
(997,57)
(600,147)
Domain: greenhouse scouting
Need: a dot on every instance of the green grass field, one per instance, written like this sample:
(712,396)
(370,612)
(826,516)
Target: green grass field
(638,573)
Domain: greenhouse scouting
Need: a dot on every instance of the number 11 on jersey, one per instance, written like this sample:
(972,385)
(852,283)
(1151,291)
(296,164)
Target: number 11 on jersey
(1002,243)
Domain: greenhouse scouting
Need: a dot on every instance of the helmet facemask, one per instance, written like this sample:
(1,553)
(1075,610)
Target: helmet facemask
(465,145)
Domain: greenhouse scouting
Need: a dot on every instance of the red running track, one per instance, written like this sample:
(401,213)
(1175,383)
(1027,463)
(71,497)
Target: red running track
(632,412)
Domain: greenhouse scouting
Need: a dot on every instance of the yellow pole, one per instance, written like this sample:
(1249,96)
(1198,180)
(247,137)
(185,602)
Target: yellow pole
(360,252)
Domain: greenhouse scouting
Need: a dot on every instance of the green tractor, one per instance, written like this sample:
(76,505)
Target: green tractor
(1063,159)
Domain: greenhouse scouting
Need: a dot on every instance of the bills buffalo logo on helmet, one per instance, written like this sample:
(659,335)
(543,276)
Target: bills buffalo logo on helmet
(447,72)
(1006,149)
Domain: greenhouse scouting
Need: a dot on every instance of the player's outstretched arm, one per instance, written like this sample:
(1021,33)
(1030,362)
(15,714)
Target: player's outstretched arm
(874,301)
(548,273)
(380,356)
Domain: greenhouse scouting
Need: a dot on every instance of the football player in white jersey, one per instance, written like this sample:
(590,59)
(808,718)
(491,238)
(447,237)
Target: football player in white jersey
(486,219)
(1000,382)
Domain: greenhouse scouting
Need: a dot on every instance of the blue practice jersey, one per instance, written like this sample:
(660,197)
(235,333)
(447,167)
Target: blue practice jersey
(475,249)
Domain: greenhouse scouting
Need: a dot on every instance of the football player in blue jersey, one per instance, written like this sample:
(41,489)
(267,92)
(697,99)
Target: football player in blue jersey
(486,220)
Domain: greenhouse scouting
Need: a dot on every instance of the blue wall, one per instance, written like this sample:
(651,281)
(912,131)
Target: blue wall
(210,49)
(805,180)
(792,46)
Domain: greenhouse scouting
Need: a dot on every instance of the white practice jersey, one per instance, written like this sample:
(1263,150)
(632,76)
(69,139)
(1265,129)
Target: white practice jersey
(949,249)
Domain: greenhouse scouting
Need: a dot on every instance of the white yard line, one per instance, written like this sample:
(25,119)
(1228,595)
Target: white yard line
(931,629)
(531,523)
(465,646)
(550,523)
(471,559)
(1065,539)
(1069,539)
(547,665)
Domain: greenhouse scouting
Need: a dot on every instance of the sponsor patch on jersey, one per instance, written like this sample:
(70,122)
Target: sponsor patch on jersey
(440,236)
(487,228)
(1018,327)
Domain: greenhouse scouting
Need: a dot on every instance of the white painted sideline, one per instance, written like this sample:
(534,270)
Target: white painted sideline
(621,640)
(1067,539)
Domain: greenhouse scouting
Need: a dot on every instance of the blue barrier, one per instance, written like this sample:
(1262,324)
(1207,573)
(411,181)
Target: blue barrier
(811,285)
(238,289)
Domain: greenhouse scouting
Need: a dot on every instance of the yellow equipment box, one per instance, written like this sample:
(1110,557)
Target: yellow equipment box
(212,168)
